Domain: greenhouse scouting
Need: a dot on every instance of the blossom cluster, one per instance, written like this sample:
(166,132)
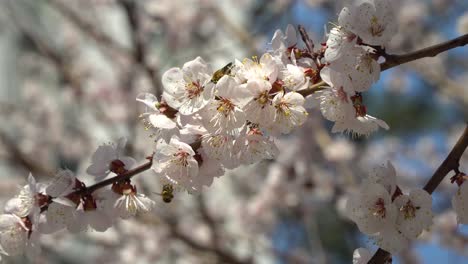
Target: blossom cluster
(208,121)
(382,211)
(64,203)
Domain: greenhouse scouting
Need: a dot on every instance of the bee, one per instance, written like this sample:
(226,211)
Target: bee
(167,193)
(226,70)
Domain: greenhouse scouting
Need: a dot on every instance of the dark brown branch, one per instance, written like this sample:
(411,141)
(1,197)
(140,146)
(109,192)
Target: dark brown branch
(395,60)
(432,51)
(452,162)
(120,177)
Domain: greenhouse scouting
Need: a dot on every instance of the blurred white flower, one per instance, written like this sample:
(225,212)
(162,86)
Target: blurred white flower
(372,20)
(27,200)
(15,238)
(253,147)
(462,24)
(460,203)
(415,213)
(371,208)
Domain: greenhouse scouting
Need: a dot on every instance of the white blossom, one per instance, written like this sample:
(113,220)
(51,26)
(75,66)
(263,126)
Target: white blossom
(188,89)
(339,42)
(19,235)
(253,69)
(372,20)
(460,203)
(25,201)
(295,78)
(391,239)
(253,147)
(414,213)
(371,208)
(175,162)
(260,109)
(355,71)
(360,125)
(221,148)
(290,112)
(124,201)
(282,41)
(335,104)
(164,126)
(384,175)
(224,115)
(209,168)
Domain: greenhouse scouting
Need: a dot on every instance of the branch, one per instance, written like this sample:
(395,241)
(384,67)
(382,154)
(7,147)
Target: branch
(452,162)
(209,220)
(432,51)
(224,256)
(305,38)
(130,8)
(58,58)
(16,155)
(89,28)
(121,177)
(395,60)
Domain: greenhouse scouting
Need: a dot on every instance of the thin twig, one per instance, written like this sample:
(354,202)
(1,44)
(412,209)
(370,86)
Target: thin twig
(209,220)
(89,28)
(452,162)
(58,58)
(307,41)
(432,51)
(223,256)
(131,9)
(16,155)
(121,177)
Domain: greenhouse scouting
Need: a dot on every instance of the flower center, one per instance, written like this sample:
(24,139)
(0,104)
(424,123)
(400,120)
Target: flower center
(379,208)
(283,108)
(376,29)
(263,98)
(225,106)
(182,158)
(365,63)
(193,89)
(409,210)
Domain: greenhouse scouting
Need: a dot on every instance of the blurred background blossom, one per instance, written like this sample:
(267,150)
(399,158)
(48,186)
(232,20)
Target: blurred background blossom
(69,75)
